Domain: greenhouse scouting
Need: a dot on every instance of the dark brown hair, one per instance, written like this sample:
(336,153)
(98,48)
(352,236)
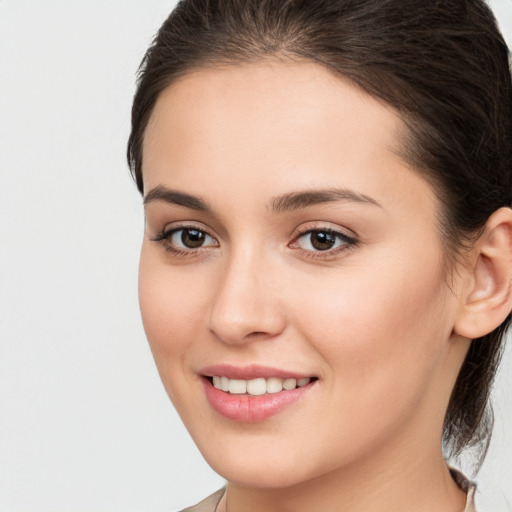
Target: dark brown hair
(442,64)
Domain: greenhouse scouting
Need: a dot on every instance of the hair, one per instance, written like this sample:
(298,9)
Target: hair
(442,64)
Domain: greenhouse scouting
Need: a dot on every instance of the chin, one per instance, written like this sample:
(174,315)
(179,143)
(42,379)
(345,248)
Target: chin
(260,468)
(261,475)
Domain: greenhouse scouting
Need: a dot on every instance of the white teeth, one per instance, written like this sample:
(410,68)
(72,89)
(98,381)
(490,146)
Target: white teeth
(224,384)
(289,384)
(258,386)
(274,385)
(237,387)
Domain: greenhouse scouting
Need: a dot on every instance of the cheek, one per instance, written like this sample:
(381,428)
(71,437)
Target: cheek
(382,332)
(170,305)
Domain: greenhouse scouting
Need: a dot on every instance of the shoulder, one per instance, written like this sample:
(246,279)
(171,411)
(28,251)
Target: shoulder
(208,504)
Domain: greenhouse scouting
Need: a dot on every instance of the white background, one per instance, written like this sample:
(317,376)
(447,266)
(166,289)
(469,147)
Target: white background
(84,422)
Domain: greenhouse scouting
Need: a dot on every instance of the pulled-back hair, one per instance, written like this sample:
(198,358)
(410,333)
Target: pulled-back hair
(442,64)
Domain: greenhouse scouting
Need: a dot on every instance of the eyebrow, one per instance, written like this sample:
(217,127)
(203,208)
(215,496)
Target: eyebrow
(298,200)
(286,202)
(167,195)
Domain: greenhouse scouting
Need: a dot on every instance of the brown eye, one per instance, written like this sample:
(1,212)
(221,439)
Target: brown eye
(322,240)
(187,239)
(192,238)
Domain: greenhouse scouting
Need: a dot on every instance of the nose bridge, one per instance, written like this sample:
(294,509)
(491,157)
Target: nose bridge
(245,301)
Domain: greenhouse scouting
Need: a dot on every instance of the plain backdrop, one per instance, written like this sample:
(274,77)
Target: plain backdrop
(85,424)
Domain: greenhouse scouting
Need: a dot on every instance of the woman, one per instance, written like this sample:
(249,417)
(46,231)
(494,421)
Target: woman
(325,277)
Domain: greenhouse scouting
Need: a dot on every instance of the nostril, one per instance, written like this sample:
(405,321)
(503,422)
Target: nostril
(254,334)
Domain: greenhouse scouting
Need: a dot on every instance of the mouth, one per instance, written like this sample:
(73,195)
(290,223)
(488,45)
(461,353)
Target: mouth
(253,394)
(258,386)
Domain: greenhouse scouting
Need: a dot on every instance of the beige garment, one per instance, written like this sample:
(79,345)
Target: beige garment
(210,504)
(207,505)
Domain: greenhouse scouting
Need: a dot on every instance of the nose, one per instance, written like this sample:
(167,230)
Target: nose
(246,304)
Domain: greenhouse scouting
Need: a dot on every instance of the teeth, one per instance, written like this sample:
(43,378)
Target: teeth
(289,384)
(224,384)
(237,387)
(258,386)
(274,385)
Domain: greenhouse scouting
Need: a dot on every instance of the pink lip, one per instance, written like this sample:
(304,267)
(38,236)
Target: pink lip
(246,408)
(248,372)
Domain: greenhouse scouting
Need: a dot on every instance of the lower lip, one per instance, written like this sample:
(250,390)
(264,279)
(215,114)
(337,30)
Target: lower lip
(252,409)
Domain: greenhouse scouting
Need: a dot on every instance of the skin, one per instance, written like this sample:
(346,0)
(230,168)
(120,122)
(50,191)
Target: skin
(374,321)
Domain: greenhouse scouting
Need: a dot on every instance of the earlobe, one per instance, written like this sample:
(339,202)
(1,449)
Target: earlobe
(488,300)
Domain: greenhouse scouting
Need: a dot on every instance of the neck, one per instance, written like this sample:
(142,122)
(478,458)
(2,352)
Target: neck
(412,482)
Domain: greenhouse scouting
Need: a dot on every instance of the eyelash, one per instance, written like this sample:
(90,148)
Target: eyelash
(347,242)
(165,236)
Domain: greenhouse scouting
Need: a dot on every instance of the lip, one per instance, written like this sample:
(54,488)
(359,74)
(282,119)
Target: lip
(247,408)
(249,372)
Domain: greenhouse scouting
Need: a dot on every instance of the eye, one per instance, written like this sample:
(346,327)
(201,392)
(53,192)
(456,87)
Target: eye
(184,240)
(323,240)
(190,238)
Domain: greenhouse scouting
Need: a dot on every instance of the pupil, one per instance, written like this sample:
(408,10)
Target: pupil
(192,238)
(322,240)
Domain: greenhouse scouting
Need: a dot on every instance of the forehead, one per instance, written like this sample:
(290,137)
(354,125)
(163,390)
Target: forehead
(286,124)
(269,104)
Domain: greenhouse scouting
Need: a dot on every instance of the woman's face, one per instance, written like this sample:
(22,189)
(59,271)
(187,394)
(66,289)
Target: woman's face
(286,239)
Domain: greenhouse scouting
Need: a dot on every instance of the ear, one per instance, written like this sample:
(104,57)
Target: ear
(487,298)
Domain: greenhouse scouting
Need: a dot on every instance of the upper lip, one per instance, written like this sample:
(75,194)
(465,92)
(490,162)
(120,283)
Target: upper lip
(249,372)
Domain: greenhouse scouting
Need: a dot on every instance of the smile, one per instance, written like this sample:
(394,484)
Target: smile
(258,386)
(253,394)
